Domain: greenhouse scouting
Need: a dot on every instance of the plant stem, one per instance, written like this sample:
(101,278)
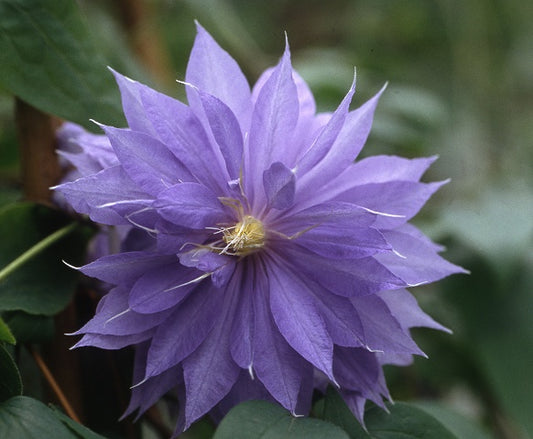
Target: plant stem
(53,384)
(35,250)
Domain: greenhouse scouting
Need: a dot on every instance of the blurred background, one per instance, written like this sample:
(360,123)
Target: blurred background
(459,76)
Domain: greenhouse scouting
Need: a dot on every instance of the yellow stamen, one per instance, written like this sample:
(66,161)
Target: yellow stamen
(245,237)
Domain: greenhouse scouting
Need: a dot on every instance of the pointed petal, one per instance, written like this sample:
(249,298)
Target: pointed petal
(279,183)
(184,135)
(146,160)
(276,364)
(405,309)
(124,268)
(209,371)
(88,153)
(114,317)
(212,70)
(113,342)
(383,168)
(356,403)
(157,289)
(307,126)
(342,319)
(190,205)
(345,277)
(346,146)
(414,261)
(130,91)
(357,370)
(220,267)
(226,132)
(107,197)
(297,317)
(381,330)
(399,201)
(184,330)
(273,121)
(325,140)
(344,242)
(243,328)
(336,213)
(149,393)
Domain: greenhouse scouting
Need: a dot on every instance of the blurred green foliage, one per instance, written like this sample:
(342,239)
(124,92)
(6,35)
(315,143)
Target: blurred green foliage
(459,74)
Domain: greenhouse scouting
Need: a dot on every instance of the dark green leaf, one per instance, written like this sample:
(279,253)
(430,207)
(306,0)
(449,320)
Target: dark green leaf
(47,58)
(460,426)
(264,420)
(496,318)
(404,421)
(30,328)
(42,285)
(80,430)
(10,381)
(5,333)
(26,418)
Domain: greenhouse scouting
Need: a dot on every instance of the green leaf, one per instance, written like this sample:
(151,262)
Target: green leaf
(81,431)
(26,418)
(47,58)
(460,426)
(5,333)
(404,421)
(264,420)
(10,381)
(30,328)
(42,284)
(498,332)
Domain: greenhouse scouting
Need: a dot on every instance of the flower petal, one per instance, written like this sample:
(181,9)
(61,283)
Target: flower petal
(346,146)
(113,342)
(162,287)
(125,268)
(273,121)
(107,197)
(357,370)
(325,140)
(226,132)
(190,205)
(343,242)
(405,309)
(130,92)
(333,213)
(184,135)
(345,277)
(279,183)
(212,70)
(209,371)
(219,267)
(382,331)
(275,363)
(243,327)
(146,160)
(342,319)
(114,317)
(397,201)
(415,261)
(184,330)
(297,317)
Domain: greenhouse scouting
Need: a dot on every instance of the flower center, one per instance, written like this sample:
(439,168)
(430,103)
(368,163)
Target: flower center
(245,237)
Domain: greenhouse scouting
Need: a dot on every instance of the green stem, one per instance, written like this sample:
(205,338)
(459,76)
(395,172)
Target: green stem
(35,250)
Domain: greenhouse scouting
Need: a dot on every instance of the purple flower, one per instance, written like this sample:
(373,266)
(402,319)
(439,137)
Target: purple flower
(279,262)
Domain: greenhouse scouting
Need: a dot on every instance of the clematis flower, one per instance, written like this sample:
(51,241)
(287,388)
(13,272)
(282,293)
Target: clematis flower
(279,262)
